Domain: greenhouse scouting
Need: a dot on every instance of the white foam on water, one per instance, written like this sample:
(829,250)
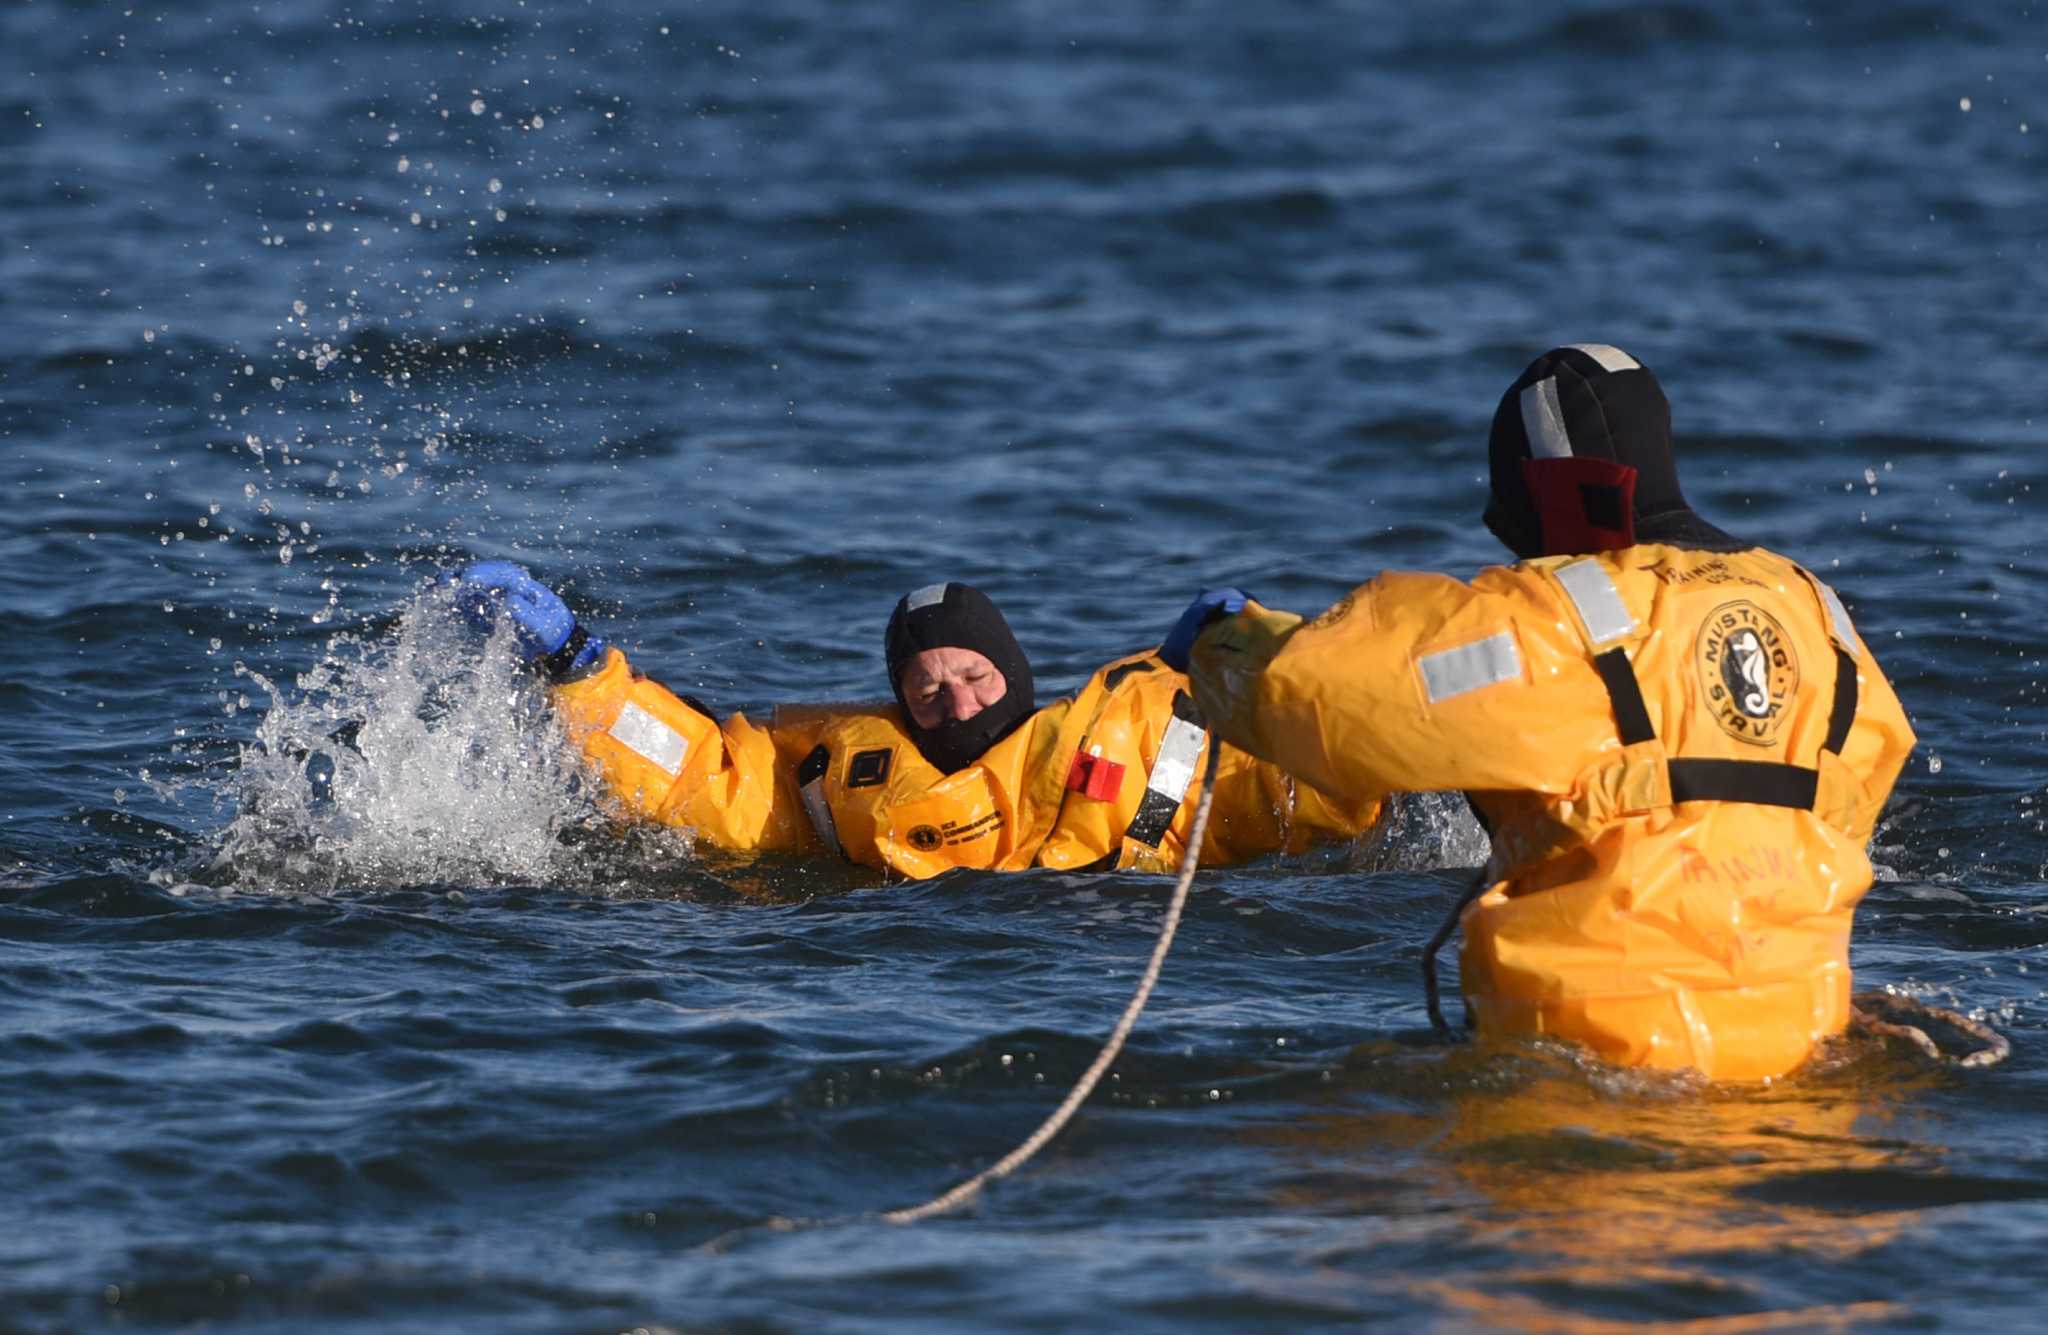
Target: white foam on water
(1425,832)
(421,755)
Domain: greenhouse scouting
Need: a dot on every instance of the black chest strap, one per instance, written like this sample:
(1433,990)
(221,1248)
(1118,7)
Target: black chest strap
(1173,770)
(1759,782)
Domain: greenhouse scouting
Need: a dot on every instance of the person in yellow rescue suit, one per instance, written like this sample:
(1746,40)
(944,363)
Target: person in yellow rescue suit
(964,770)
(1675,738)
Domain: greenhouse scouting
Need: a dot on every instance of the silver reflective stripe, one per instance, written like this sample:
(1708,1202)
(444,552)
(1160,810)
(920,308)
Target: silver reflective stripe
(1845,630)
(1599,602)
(1174,768)
(820,812)
(1543,421)
(649,738)
(1470,666)
(925,597)
(1610,358)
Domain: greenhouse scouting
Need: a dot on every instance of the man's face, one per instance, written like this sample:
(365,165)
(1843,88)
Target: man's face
(949,686)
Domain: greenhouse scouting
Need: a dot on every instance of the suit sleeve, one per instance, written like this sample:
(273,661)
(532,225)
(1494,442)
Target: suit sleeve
(1880,742)
(1411,682)
(663,760)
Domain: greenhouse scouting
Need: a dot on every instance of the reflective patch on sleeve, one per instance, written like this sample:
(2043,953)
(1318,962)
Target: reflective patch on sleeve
(1468,667)
(1845,630)
(649,738)
(1598,602)
(924,597)
(1610,358)
(1543,421)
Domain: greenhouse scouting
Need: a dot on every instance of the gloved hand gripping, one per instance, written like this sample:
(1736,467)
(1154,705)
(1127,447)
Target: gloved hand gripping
(1208,606)
(549,636)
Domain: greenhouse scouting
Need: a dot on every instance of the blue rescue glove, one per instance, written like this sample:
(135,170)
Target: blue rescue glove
(547,629)
(1211,605)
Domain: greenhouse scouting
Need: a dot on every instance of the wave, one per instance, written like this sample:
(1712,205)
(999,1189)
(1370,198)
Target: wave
(1258,210)
(1633,27)
(1016,153)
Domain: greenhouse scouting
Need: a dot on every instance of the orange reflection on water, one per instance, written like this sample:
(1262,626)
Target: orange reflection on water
(1619,1200)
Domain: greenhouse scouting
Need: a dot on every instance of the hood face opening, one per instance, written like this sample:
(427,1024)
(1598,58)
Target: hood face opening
(959,616)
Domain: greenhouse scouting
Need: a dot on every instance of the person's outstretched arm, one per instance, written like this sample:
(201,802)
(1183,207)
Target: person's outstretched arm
(661,758)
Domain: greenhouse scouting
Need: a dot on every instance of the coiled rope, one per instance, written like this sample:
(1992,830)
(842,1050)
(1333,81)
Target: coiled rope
(1957,1039)
(1061,1115)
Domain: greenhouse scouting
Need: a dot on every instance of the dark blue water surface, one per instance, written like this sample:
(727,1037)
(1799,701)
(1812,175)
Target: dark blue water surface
(737,320)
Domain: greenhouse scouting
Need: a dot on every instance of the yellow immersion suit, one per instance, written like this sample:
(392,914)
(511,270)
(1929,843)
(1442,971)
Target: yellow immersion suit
(1680,756)
(1106,779)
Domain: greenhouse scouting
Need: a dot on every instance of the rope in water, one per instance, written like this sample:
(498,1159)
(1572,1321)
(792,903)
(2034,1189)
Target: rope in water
(1061,1115)
(1889,1015)
(1995,1047)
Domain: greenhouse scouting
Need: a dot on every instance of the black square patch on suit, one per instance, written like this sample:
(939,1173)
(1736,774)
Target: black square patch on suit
(868,768)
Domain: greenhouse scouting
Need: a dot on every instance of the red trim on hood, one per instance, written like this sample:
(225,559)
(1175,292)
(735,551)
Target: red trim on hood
(1565,492)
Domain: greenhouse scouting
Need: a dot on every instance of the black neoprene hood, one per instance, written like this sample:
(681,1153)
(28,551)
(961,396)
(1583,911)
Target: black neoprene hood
(959,616)
(1580,459)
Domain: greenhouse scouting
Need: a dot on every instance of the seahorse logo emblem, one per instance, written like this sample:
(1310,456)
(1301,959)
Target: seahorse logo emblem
(1747,671)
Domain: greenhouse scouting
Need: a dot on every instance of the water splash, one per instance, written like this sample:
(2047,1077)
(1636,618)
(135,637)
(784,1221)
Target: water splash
(1423,832)
(417,755)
